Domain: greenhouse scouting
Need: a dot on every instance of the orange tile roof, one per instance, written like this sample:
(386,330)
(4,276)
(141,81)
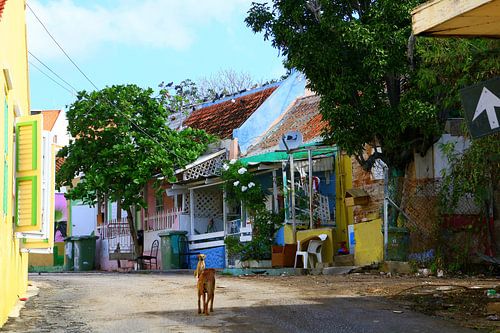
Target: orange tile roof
(2,5)
(222,118)
(59,163)
(49,118)
(303,116)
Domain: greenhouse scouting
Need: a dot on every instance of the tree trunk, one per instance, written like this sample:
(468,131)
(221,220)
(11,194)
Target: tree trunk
(133,232)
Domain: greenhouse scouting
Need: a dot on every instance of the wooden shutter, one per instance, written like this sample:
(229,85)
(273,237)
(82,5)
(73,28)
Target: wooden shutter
(6,157)
(28,209)
(45,243)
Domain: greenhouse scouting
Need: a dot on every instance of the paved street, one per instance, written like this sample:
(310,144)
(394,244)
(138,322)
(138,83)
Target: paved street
(99,302)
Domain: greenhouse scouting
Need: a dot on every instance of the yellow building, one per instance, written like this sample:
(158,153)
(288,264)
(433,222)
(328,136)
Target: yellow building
(22,198)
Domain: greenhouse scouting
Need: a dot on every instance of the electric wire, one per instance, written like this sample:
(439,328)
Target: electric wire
(47,75)
(60,47)
(95,86)
(57,75)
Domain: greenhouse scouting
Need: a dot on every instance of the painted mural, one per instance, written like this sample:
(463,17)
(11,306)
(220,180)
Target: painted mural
(60,218)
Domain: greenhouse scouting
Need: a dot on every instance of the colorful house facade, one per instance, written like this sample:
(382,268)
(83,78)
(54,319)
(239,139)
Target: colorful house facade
(195,204)
(25,177)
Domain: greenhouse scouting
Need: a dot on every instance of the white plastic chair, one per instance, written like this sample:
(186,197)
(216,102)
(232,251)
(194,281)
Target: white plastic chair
(314,248)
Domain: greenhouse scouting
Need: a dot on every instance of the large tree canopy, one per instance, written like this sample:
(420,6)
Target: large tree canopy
(373,91)
(121,140)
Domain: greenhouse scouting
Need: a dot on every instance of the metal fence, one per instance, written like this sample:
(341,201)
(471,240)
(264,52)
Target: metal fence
(414,204)
(117,233)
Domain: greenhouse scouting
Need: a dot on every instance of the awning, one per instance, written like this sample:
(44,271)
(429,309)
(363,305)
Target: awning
(280,156)
(464,18)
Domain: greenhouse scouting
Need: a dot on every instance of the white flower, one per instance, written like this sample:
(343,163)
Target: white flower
(236,183)
(251,184)
(242,171)
(244,188)
(225,167)
(232,161)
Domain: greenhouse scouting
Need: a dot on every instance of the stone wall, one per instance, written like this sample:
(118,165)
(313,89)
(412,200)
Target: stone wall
(374,187)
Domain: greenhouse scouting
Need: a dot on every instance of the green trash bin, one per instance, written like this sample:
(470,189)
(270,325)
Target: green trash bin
(173,249)
(399,244)
(69,262)
(82,253)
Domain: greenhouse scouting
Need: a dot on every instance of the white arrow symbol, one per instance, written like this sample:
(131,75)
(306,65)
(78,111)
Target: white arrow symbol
(488,101)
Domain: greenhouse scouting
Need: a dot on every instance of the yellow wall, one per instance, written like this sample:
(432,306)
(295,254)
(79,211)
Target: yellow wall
(13,56)
(343,214)
(41,259)
(369,242)
(328,248)
(343,181)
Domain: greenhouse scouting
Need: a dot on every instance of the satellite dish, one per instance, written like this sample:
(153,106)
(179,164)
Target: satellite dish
(291,140)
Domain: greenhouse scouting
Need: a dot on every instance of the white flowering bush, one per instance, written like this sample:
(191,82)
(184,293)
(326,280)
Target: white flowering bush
(240,185)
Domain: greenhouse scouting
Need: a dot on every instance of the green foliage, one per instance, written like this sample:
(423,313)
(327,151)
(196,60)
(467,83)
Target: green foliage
(58,215)
(233,245)
(177,97)
(265,226)
(372,92)
(475,172)
(121,141)
(240,186)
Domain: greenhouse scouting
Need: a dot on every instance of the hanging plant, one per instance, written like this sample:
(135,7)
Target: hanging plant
(240,186)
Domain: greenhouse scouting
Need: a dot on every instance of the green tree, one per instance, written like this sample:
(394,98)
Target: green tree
(476,171)
(122,140)
(373,91)
(177,97)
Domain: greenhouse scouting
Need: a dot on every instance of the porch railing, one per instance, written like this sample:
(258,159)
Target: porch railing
(202,241)
(117,233)
(234,228)
(162,220)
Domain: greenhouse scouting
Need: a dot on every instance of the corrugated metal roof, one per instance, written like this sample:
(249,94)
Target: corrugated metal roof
(279,156)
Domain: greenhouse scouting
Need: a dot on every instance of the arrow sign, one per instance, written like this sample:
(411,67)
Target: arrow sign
(481,104)
(487,102)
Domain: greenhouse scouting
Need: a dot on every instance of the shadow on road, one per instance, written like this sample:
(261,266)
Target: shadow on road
(338,314)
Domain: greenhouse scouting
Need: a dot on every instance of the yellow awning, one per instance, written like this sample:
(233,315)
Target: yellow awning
(461,18)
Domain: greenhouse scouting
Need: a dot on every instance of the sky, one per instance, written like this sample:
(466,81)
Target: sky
(143,42)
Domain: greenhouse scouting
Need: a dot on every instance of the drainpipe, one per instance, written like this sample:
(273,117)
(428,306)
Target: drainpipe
(386,210)
(309,156)
(191,209)
(292,181)
(275,193)
(285,192)
(224,212)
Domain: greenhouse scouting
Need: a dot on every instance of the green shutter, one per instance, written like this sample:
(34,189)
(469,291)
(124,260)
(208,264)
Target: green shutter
(6,153)
(28,207)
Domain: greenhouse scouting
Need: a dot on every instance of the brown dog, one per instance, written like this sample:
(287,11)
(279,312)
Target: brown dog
(201,265)
(206,288)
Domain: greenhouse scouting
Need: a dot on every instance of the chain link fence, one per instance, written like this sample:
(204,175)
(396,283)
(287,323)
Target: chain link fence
(458,235)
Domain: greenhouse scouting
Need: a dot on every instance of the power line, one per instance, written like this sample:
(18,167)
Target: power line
(92,83)
(61,48)
(60,78)
(47,75)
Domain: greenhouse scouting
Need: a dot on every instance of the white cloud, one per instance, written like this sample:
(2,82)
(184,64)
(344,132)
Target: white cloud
(83,30)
